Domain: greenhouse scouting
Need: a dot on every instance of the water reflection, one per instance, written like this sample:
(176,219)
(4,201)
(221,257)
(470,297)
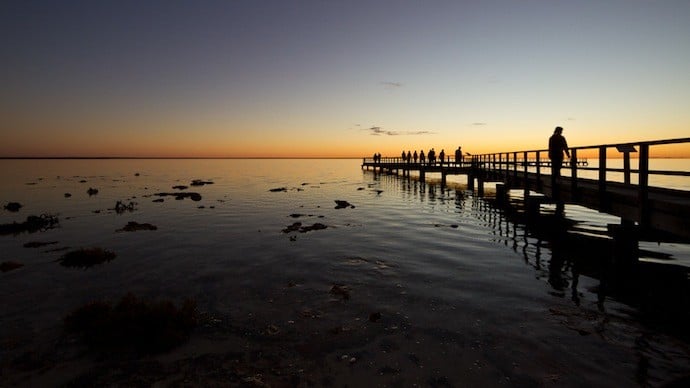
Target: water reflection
(572,253)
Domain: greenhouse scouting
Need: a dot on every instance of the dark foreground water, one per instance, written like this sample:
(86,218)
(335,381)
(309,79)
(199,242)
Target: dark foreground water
(412,285)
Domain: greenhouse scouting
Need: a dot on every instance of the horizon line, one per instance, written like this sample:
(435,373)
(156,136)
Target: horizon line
(177,157)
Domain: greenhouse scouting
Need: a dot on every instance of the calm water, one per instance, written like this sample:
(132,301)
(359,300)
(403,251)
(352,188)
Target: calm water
(475,296)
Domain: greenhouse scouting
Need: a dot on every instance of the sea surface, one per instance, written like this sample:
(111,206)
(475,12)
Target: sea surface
(465,292)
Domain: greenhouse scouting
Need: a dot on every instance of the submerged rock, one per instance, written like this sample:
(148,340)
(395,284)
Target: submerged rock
(340,290)
(38,244)
(67,195)
(199,182)
(13,206)
(340,204)
(7,266)
(180,196)
(86,257)
(133,324)
(91,191)
(135,226)
(278,189)
(31,225)
(297,227)
(316,226)
(180,187)
(292,228)
(121,207)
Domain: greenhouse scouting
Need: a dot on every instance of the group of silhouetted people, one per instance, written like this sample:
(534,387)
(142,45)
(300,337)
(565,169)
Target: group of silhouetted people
(430,157)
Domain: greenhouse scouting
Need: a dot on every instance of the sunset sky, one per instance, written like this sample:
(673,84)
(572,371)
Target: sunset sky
(337,78)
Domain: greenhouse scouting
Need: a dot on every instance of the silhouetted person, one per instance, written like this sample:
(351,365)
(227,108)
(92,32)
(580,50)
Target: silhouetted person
(409,156)
(422,159)
(432,156)
(442,155)
(414,156)
(375,155)
(403,155)
(557,146)
(458,155)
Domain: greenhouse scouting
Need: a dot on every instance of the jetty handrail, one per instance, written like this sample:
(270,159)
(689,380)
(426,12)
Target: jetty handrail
(611,145)
(662,207)
(502,160)
(488,162)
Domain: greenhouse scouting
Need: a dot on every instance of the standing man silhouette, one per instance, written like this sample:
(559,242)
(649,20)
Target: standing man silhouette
(557,146)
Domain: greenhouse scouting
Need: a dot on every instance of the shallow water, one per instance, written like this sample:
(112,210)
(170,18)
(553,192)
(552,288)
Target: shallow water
(472,294)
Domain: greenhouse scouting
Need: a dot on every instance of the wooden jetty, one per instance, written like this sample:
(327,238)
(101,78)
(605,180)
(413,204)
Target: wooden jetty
(642,208)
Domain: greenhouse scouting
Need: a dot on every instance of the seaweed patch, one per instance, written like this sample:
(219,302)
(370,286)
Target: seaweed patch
(135,324)
(86,257)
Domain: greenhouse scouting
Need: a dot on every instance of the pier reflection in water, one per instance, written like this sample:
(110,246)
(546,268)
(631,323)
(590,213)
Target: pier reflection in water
(574,252)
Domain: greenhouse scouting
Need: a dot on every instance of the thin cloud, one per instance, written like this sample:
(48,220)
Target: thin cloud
(478,124)
(391,85)
(378,131)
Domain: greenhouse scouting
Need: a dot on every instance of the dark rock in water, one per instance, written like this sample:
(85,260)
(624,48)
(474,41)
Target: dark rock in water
(58,249)
(316,226)
(13,206)
(133,325)
(180,196)
(135,226)
(296,215)
(292,228)
(158,200)
(199,182)
(31,225)
(454,226)
(82,181)
(38,244)
(180,187)
(91,191)
(340,290)
(373,317)
(339,204)
(136,174)
(297,227)
(278,189)
(121,207)
(67,195)
(86,257)
(360,188)
(7,266)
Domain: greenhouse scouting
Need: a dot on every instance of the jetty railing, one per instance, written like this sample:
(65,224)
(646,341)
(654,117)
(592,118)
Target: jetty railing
(592,186)
(536,160)
(598,183)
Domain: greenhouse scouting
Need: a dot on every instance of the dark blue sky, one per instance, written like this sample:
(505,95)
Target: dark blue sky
(315,74)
